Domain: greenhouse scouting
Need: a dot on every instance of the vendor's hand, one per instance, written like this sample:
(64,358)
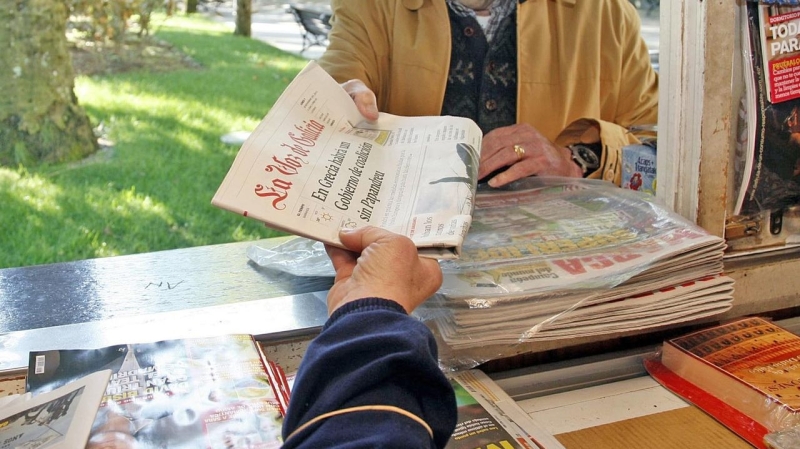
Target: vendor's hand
(365,99)
(535,155)
(381,264)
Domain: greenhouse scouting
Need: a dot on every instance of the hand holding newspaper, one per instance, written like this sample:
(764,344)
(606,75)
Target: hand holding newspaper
(314,166)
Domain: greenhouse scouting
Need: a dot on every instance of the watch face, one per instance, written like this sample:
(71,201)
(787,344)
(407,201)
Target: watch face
(588,156)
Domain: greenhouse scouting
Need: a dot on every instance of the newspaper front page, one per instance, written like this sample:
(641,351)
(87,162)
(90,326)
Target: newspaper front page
(313,166)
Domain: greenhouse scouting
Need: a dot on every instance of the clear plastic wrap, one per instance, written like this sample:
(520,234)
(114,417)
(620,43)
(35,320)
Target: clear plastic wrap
(783,439)
(556,258)
(297,256)
(743,373)
(562,258)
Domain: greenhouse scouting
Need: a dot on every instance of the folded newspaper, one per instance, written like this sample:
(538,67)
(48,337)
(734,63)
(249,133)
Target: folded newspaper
(555,258)
(489,418)
(314,166)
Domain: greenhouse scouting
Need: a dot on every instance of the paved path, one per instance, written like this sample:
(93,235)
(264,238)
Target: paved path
(272,24)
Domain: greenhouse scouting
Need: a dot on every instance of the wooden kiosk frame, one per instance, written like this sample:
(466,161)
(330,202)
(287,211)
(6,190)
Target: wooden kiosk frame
(698,110)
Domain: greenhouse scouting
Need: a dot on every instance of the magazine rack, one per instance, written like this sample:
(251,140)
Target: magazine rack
(699,123)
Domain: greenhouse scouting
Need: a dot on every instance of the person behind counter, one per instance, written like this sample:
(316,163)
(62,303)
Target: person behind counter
(553,84)
(371,378)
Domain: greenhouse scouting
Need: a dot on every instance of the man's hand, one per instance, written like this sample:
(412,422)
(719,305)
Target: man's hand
(381,264)
(535,155)
(365,99)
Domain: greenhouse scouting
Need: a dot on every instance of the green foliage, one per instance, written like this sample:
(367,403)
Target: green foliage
(151,190)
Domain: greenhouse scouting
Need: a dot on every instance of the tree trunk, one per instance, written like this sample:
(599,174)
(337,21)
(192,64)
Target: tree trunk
(191,6)
(40,119)
(244,16)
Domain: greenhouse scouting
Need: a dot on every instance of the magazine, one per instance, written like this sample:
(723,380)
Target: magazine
(767,169)
(489,418)
(313,166)
(57,419)
(214,392)
(780,49)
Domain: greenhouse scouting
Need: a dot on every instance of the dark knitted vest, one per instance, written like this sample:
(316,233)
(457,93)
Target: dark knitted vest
(482,82)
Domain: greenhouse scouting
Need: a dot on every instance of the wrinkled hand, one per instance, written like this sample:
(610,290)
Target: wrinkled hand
(381,264)
(365,99)
(541,157)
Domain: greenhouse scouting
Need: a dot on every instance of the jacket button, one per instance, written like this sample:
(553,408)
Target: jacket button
(491,105)
(469,31)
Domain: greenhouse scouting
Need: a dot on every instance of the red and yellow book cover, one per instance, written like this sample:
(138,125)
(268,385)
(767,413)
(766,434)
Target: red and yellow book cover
(750,366)
(755,351)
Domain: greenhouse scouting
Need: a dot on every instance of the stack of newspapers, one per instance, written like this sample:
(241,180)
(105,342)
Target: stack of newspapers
(553,258)
(557,258)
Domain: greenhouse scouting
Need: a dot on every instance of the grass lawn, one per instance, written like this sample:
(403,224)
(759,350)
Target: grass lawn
(151,189)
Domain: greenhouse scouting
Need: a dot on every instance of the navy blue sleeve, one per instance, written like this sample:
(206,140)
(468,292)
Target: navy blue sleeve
(370,352)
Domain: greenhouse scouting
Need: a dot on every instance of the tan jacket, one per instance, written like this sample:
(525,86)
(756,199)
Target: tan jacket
(582,65)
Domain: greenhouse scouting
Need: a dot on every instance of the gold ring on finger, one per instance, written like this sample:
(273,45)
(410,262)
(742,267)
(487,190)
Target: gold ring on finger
(519,151)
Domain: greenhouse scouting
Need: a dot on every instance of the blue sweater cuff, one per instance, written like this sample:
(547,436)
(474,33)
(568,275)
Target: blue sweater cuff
(364,305)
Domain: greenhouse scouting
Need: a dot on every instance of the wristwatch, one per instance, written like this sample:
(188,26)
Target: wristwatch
(585,156)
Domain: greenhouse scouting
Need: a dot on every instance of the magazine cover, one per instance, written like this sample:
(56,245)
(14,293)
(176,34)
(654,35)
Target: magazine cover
(476,427)
(639,168)
(780,50)
(58,419)
(770,180)
(187,393)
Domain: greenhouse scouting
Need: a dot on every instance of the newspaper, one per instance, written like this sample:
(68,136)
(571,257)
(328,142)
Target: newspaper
(314,166)
(486,410)
(548,234)
(555,258)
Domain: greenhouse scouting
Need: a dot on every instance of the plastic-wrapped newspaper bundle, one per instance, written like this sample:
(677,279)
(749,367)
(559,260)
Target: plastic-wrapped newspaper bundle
(552,258)
(558,258)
